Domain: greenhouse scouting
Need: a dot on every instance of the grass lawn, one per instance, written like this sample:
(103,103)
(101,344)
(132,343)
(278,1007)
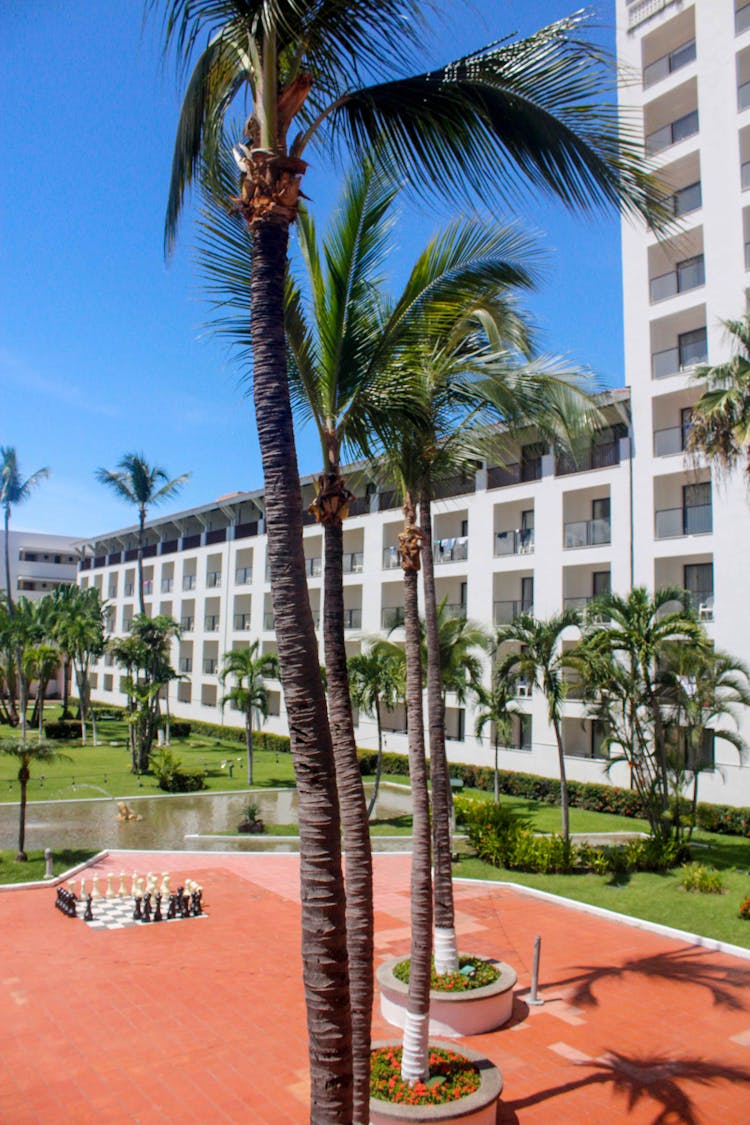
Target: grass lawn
(33,870)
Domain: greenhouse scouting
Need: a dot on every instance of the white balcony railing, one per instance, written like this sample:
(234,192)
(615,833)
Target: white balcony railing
(451,550)
(673,133)
(586,533)
(671,441)
(518,542)
(505,612)
(671,523)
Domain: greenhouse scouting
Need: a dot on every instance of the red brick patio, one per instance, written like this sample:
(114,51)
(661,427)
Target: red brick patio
(204,1022)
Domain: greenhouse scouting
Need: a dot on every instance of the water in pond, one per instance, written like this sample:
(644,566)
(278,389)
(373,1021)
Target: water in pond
(167,821)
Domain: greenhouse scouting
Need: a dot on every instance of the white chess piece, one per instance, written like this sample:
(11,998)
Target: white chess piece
(82,890)
(121,892)
(134,884)
(164,889)
(95,892)
(110,891)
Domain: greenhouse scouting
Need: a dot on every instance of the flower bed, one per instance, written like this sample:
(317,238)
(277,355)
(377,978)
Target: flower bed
(453,1013)
(473,972)
(463,1086)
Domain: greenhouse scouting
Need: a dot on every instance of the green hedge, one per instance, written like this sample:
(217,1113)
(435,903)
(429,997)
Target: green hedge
(183,781)
(262,740)
(179,730)
(62,730)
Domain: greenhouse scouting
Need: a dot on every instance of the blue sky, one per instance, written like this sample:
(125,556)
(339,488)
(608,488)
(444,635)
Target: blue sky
(103,348)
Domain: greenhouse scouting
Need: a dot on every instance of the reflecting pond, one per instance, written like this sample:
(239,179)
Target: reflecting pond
(168,820)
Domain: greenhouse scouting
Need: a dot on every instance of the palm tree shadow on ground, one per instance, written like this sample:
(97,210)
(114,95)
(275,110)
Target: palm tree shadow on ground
(686,966)
(638,1078)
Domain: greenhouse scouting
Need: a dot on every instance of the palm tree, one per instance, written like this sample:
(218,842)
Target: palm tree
(249,694)
(143,486)
(62,608)
(14,490)
(497,706)
(44,660)
(531,109)
(84,638)
(375,682)
(720,420)
(28,754)
(540,661)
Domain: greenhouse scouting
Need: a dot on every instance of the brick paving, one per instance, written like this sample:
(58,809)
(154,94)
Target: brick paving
(204,1022)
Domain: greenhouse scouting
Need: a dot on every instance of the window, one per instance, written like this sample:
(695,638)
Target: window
(598,735)
(531,461)
(692,347)
(524,725)
(687,199)
(527,594)
(698,580)
(697,515)
(601,583)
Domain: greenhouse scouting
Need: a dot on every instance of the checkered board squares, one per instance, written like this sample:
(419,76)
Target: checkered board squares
(117,914)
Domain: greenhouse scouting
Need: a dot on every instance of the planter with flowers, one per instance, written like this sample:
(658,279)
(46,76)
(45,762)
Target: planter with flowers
(476,999)
(463,1086)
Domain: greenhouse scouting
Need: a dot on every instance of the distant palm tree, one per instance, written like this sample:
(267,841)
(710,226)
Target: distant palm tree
(250,669)
(497,705)
(42,660)
(143,486)
(720,420)
(28,754)
(540,661)
(376,681)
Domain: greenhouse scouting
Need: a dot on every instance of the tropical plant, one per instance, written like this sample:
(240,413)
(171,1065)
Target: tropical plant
(375,682)
(145,657)
(625,640)
(539,659)
(41,663)
(720,420)
(28,754)
(249,668)
(497,706)
(539,103)
(62,607)
(79,632)
(14,490)
(144,486)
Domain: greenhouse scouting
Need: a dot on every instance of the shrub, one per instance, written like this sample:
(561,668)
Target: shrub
(168,771)
(179,730)
(745,910)
(62,730)
(699,879)
(472,972)
(451,1077)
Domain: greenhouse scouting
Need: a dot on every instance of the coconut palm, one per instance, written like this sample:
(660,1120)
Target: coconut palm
(62,606)
(531,111)
(540,660)
(84,639)
(375,682)
(144,486)
(28,754)
(42,661)
(497,706)
(720,421)
(249,668)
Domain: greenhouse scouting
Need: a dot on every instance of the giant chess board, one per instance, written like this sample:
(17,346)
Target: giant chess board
(148,902)
(117,914)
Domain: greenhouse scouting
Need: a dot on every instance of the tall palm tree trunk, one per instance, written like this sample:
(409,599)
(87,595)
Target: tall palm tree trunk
(249,745)
(446,949)
(324,951)
(564,809)
(23,778)
(141,535)
(379,763)
(7,559)
(66,687)
(354,820)
(415,1057)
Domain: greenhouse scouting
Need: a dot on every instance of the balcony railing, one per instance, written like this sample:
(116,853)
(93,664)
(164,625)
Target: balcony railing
(599,456)
(581,605)
(586,533)
(674,522)
(353,618)
(391,558)
(188,582)
(243,575)
(128,589)
(211,623)
(186,664)
(673,133)
(186,624)
(456,610)
(241,622)
(743,96)
(213,579)
(528,469)
(148,586)
(112,592)
(668,64)
(742,19)
(702,602)
(672,361)
(167,585)
(314,567)
(269,623)
(690,274)
(687,199)
(451,550)
(391,616)
(505,612)
(671,441)
(519,542)
(354,562)
(210,665)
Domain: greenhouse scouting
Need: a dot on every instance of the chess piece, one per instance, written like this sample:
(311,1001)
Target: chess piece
(180,893)
(164,888)
(82,890)
(134,884)
(157,909)
(147,907)
(197,908)
(95,892)
(110,892)
(121,892)
(137,915)
(172,908)
(185,906)
(88,915)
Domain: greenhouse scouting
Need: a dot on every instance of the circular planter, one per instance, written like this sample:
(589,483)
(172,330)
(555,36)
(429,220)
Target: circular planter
(479,1108)
(453,1014)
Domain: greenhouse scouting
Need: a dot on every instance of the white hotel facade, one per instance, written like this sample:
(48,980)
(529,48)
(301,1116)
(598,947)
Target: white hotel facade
(539,533)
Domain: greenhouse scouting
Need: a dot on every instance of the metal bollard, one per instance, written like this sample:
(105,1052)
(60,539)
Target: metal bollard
(533,998)
(48,873)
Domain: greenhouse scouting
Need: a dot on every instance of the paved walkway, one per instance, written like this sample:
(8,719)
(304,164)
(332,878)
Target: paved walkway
(204,1021)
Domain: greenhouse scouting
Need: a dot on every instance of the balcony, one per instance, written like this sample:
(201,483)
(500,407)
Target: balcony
(213,579)
(692,350)
(673,133)
(742,19)
(669,442)
(314,567)
(668,64)
(241,622)
(687,200)
(601,456)
(352,618)
(690,274)
(505,613)
(501,476)
(186,664)
(128,589)
(211,623)
(269,623)
(451,550)
(519,542)
(187,624)
(167,585)
(745,173)
(391,617)
(671,523)
(148,586)
(581,605)
(702,601)
(586,533)
(391,558)
(743,96)
(747,255)
(188,582)
(243,576)
(354,562)
(456,610)
(210,665)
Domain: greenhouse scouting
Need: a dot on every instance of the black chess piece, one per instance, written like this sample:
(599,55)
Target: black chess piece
(185,906)
(157,910)
(137,915)
(197,908)
(172,908)
(147,907)
(88,915)
(180,894)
